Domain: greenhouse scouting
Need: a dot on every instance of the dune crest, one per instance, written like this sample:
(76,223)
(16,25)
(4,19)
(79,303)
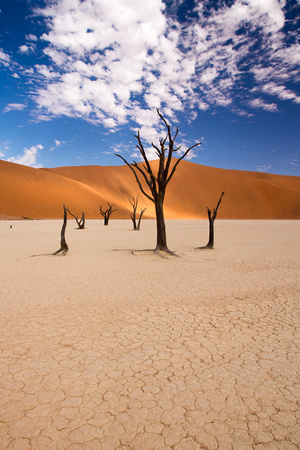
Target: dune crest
(40,193)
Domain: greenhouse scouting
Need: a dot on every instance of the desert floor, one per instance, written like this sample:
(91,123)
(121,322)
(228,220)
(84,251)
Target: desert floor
(104,348)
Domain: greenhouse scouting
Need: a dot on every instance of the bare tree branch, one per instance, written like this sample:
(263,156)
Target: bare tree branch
(136,177)
(217,207)
(81,222)
(180,159)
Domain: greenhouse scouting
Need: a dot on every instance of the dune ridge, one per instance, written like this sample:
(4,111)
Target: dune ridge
(40,193)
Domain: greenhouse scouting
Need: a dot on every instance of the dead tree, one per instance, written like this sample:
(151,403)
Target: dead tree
(212,218)
(134,203)
(157,183)
(63,245)
(107,213)
(140,218)
(81,222)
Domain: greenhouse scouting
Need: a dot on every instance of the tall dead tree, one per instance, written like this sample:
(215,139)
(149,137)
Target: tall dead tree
(63,244)
(157,183)
(107,213)
(81,222)
(134,203)
(212,218)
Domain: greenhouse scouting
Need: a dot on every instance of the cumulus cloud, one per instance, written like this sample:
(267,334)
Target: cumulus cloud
(115,61)
(28,158)
(4,58)
(24,49)
(27,48)
(31,37)
(45,71)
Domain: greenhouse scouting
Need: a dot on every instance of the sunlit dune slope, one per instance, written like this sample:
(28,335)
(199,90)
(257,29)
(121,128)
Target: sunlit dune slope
(40,193)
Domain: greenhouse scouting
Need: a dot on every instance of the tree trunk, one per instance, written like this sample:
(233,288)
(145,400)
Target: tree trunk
(161,243)
(63,244)
(81,223)
(133,218)
(140,218)
(212,218)
(211,240)
(106,214)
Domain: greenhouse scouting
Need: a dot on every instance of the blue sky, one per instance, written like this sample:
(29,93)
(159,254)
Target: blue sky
(80,77)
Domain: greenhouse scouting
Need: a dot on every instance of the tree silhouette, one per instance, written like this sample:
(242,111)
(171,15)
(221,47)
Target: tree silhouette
(63,244)
(107,213)
(134,203)
(81,222)
(157,183)
(212,218)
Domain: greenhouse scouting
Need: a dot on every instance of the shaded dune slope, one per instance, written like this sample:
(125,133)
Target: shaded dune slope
(40,193)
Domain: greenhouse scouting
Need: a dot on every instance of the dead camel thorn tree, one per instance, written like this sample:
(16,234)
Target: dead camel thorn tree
(212,218)
(157,183)
(81,222)
(63,250)
(107,213)
(134,203)
(63,244)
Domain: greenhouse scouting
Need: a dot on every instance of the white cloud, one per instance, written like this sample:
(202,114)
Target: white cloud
(27,48)
(44,70)
(14,107)
(261,104)
(117,60)
(4,58)
(28,158)
(292,161)
(5,145)
(31,37)
(280,91)
(57,144)
(264,167)
(24,49)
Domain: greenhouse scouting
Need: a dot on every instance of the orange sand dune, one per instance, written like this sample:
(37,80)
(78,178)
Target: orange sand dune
(40,193)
